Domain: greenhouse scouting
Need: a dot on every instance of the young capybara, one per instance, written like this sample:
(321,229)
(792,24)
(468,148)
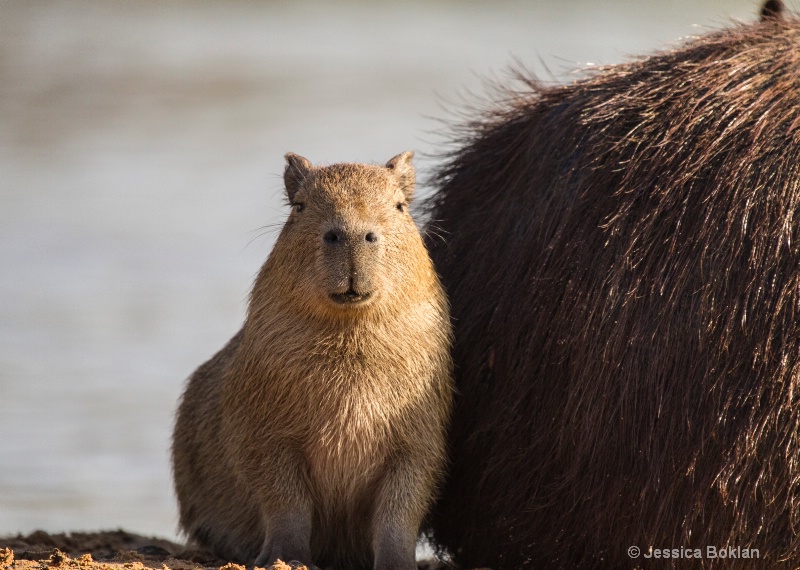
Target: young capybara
(623,264)
(317,434)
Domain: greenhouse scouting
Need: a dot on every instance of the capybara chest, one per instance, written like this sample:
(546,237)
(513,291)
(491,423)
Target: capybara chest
(343,461)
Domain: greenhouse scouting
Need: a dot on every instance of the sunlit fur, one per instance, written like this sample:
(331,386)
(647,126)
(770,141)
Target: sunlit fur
(312,401)
(621,256)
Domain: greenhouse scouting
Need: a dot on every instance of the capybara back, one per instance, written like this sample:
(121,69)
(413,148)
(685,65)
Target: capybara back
(622,260)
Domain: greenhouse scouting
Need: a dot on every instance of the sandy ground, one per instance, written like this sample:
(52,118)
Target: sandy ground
(100,550)
(114,550)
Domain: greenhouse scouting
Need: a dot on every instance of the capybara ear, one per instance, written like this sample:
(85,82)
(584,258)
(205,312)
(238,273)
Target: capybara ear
(771,10)
(404,170)
(297,168)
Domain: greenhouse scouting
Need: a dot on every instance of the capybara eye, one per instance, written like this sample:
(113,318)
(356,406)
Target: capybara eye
(298,207)
(331,237)
(401,207)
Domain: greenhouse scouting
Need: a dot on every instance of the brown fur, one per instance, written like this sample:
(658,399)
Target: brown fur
(317,434)
(621,256)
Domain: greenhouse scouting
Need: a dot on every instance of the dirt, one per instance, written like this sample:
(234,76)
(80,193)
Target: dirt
(111,550)
(116,550)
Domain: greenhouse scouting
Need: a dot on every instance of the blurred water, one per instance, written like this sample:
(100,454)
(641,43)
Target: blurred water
(141,149)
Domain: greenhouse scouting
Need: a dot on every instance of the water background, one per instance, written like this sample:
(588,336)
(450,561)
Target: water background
(141,149)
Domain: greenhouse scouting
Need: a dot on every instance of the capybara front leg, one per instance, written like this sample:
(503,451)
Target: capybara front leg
(395,548)
(288,538)
(400,505)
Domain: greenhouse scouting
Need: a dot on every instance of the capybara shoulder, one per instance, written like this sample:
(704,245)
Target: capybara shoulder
(318,433)
(623,268)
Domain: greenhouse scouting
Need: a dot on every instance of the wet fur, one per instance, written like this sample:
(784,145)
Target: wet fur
(622,260)
(341,411)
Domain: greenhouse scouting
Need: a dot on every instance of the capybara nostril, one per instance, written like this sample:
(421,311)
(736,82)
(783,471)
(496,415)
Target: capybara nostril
(371,237)
(332,237)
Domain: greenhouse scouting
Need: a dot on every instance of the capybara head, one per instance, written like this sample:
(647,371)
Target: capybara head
(348,222)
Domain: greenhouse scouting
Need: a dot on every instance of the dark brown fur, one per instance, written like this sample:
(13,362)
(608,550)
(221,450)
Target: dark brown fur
(622,260)
(317,433)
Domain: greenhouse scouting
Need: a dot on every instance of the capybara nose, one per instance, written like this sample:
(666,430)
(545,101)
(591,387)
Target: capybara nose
(333,237)
(337,236)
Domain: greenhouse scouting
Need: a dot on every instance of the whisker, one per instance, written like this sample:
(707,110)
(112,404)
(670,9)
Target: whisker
(264,231)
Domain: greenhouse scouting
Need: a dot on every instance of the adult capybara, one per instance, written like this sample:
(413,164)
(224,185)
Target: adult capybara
(621,256)
(317,434)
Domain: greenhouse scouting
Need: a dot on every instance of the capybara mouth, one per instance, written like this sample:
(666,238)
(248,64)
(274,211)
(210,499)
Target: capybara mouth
(350,297)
